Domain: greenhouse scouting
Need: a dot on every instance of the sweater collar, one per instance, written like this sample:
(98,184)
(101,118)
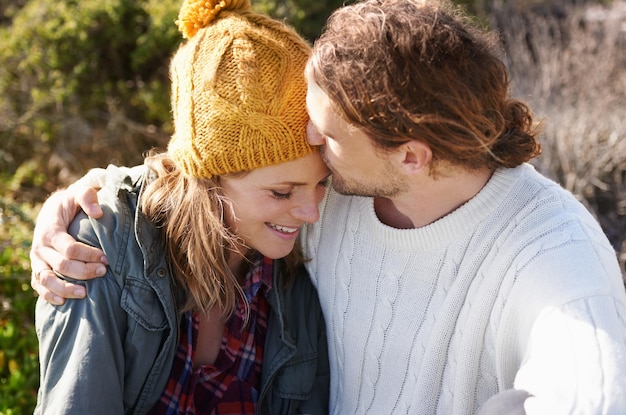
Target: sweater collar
(459,223)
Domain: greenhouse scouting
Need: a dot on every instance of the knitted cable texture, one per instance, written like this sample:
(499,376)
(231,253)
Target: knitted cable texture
(238,90)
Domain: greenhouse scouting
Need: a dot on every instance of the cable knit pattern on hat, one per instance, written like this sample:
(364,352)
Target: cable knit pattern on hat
(238,90)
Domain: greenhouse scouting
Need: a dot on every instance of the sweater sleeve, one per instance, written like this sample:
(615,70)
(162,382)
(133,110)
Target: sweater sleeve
(576,359)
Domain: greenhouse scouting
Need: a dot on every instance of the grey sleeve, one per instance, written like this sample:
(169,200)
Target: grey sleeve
(81,352)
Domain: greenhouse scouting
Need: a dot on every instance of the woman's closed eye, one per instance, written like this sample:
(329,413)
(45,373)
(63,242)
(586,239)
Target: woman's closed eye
(280,195)
(284,195)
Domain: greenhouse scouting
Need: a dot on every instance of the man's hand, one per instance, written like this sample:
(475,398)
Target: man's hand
(508,402)
(54,249)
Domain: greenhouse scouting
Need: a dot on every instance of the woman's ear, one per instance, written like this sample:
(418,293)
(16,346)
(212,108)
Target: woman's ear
(415,157)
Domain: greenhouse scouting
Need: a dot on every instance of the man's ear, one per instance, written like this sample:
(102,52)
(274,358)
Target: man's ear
(414,157)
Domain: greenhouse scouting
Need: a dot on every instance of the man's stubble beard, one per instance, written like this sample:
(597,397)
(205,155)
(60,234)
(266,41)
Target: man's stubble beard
(389,186)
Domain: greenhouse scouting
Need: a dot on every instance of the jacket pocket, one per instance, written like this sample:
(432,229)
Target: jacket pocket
(296,378)
(144,344)
(142,303)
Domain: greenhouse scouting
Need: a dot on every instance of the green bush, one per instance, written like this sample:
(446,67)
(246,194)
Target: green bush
(80,77)
(19,369)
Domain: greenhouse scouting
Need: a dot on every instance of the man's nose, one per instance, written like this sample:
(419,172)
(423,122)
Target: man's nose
(313,136)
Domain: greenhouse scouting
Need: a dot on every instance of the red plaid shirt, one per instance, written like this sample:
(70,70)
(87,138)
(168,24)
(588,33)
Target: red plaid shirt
(231,385)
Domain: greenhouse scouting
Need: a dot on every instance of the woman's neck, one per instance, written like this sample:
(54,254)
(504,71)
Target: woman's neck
(239,265)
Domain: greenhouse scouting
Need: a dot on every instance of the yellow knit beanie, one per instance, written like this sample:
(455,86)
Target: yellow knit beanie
(238,90)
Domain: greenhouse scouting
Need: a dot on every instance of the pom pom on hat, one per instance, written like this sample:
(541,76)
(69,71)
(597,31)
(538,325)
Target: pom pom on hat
(238,90)
(197,14)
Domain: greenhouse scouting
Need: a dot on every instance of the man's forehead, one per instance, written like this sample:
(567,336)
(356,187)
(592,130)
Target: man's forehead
(320,107)
(315,94)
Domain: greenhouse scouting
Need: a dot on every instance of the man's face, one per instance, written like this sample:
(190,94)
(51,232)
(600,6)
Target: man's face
(358,167)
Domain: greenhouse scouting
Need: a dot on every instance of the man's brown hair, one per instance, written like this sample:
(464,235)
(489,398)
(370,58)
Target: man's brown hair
(422,70)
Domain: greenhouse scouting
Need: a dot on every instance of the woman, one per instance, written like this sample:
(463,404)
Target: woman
(205,307)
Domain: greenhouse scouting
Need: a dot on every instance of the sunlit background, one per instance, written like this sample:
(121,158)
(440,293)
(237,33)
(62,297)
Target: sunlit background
(84,83)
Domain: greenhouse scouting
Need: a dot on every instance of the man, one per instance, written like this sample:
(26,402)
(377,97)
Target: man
(453,277)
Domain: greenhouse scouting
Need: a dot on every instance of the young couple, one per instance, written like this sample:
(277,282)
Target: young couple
(453,278)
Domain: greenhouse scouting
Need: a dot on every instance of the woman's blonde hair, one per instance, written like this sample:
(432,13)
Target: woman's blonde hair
(190,213)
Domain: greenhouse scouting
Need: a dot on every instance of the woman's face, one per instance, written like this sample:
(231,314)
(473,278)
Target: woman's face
(272,203)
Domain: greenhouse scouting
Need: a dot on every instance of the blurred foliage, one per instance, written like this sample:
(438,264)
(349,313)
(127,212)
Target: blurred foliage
(307,16)
(19,370)
(85,83)
(82,75)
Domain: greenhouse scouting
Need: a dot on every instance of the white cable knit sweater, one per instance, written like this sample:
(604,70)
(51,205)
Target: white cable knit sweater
(517,288)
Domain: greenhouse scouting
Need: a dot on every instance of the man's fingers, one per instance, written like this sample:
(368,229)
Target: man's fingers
(39,279)
(49,286)
(54,249)
(44,293)
(510,402)
(55,290)
(87,198)
(72,251)
(38,269)
(71,268)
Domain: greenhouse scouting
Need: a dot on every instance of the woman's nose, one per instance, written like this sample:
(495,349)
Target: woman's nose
(309,211)
(313,136)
